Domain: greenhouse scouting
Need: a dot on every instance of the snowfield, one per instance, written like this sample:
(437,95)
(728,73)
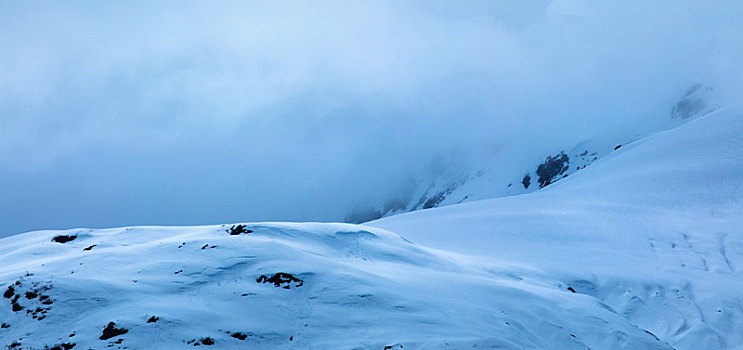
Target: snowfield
(641,250)
(517,173)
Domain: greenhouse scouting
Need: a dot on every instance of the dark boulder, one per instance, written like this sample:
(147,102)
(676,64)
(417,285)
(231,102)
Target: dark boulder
(552,167)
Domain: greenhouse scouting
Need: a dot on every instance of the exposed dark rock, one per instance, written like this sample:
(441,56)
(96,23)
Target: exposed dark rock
(63,346)
(238,335)
(153,319)
(552,167)
(439,197)
(687,108)
(282,280)
(4,325)
(526,181)
(32,295)
(238,229)
(202,341)
(393,346)
(89,247)
(571,289)
(9,292)
(434,200)
(111,331)
(617,147)
(691,104)
(16,307)
(64,238)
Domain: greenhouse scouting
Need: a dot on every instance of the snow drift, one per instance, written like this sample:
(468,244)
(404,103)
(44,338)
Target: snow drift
(642,250)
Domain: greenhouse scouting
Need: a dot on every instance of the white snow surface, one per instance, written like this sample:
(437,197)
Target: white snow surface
(505,172)
(649,238)
(654,231)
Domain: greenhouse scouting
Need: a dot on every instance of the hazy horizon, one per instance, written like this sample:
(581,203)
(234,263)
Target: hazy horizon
(184,113)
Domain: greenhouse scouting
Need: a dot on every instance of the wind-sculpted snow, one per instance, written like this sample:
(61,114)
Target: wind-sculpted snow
(285,286)
(654,231)
(642,250)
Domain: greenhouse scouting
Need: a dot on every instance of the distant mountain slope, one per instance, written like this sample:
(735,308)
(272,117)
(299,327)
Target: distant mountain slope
(643,250)
(457,186)
(654,232)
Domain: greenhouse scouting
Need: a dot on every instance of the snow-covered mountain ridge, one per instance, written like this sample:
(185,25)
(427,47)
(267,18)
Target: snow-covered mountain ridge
(653,231)
(458,186)
(300,286)
(638,251)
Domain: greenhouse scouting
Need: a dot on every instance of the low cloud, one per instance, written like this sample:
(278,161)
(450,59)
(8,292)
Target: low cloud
(194,112)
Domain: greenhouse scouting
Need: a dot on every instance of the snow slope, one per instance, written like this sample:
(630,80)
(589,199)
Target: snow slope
(362,288)
(512,173)
(638,251)
(653,231)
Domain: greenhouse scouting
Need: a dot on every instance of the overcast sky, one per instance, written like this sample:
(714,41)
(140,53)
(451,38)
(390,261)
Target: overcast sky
(177,113)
